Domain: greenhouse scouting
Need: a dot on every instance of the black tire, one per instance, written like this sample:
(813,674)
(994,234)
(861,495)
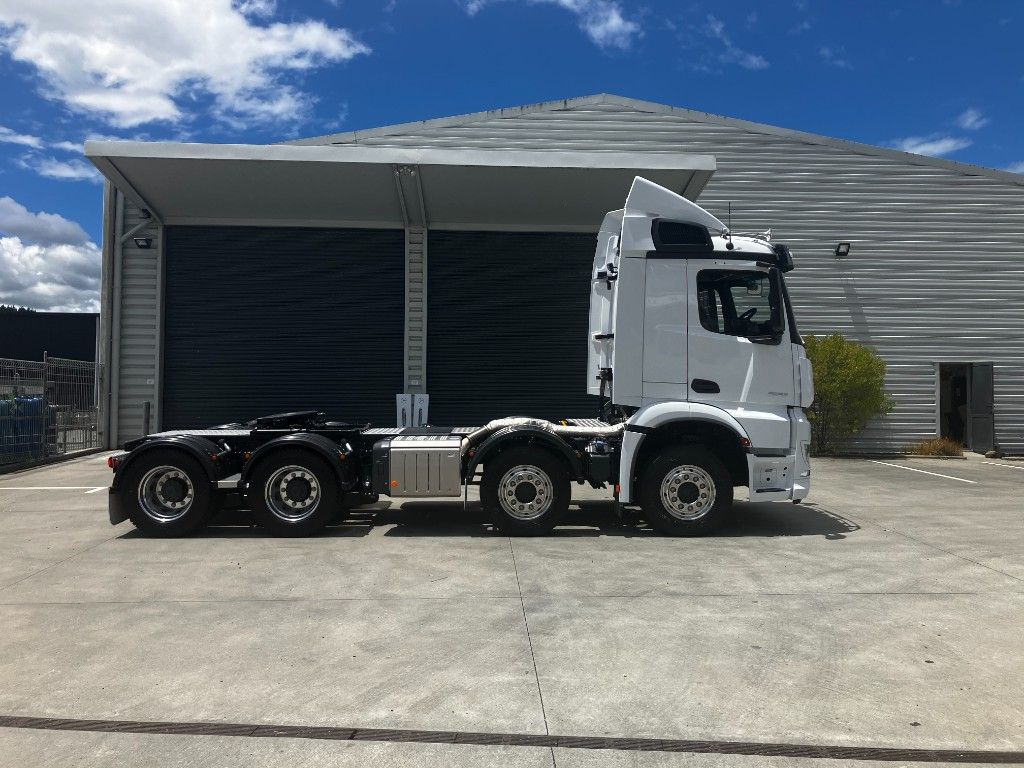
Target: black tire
(534,512)
(688,513)
(310,481)
(166,493)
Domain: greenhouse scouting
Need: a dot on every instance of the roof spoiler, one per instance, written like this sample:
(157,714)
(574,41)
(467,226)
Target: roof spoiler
(649,199)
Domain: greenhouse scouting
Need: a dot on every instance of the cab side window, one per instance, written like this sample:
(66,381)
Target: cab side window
(738,302)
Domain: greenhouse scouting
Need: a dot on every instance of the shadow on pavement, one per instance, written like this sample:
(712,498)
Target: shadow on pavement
(442,518)
(598,518)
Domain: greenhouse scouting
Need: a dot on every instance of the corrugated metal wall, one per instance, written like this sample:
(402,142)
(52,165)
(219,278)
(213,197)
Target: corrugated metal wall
(136,327)
(264,320)
(936,271)
(507,332)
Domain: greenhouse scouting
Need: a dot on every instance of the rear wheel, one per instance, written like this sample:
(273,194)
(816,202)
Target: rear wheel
(686,491)
(167,494)
(293,493)
(525,491)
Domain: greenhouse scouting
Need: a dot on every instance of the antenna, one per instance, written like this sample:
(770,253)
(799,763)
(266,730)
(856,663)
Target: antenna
(729,246)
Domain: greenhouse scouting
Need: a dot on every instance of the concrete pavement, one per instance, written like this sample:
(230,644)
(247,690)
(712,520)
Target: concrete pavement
(886,612)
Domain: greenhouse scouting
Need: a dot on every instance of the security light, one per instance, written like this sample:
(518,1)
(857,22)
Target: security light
(843,249)
(143,242)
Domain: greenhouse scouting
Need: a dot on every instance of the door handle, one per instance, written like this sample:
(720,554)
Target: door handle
(705,387)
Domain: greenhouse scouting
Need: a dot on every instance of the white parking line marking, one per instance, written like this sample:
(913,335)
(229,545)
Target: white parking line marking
(1007,466)
(923,472)
(49,488)
(97,490)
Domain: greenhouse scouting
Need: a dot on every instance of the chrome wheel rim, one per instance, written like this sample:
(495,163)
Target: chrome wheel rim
(526,492)
(688,492)
(166,494)
(292,493)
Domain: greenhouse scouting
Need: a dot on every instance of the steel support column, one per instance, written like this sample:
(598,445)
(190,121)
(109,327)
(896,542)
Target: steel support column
(409,186)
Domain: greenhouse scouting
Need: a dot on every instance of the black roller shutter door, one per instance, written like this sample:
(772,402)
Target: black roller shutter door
(263,320)
(507,325)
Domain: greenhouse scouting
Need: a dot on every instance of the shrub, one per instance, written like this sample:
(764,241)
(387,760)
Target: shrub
(848,390)
(938,446)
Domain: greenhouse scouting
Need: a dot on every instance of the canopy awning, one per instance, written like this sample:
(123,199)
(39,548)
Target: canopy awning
(353,185)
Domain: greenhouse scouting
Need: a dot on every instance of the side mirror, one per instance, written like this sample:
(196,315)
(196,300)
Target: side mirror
(783,258)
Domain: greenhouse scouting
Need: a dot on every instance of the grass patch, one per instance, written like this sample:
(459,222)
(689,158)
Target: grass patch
(938,446)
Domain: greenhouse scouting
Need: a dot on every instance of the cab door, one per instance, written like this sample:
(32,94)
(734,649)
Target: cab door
(740,357)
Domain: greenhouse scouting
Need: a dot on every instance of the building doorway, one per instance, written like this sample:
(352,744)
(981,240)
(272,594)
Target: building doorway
(966,404)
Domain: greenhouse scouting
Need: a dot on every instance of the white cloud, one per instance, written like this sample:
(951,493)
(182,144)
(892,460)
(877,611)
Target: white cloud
(1016,167)
(59,278)
(934,145)
(68,146)
(730,53)
(7,136)
(255,7)
(603,21)
(61,170)
(134,64)
(39,228)
(972,119)
(835,56)
(46,261)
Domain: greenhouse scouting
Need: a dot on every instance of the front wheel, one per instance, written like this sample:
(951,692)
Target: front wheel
(686,491)
(525,491)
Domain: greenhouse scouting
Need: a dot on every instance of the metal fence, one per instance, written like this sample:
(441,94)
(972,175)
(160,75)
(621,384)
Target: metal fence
(47,408)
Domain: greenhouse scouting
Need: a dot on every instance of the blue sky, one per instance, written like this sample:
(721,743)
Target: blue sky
(942,78)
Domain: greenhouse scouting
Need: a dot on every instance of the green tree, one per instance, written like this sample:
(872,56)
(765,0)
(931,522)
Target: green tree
(849,381)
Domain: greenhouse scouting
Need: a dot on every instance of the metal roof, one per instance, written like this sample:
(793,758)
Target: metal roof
(412,128)
(384,186)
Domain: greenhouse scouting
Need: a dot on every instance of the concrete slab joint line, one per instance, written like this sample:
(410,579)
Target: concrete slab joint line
(529,639)
(615,743)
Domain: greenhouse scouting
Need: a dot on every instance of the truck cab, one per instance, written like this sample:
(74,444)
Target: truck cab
(693,341)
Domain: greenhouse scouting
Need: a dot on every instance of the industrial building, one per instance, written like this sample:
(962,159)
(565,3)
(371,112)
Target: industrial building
(337,271)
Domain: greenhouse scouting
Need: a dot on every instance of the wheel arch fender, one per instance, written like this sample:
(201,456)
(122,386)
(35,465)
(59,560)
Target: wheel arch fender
(199,448)
(660,419)
(335,454)
(524,435)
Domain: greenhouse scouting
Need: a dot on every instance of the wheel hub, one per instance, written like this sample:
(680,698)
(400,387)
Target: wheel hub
(298,489)
(526,492)
(174,490)
(688,492)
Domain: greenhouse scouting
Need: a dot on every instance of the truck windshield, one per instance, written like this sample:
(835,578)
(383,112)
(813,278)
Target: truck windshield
(739,302)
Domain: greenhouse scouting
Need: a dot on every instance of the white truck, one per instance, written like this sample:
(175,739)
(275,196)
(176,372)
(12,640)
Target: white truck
(694,355)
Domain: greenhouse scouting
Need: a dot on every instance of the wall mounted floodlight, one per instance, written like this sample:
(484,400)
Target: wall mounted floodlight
(143,242)
(843,249)
(145,214)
